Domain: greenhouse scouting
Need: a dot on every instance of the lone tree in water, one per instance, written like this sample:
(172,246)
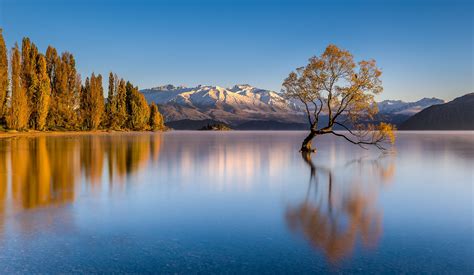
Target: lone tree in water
(333,85)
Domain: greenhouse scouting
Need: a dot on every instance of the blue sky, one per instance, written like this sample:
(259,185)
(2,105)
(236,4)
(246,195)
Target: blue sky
(425,48)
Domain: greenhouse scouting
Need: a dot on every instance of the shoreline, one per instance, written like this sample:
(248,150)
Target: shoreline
(68,133)
(111,132)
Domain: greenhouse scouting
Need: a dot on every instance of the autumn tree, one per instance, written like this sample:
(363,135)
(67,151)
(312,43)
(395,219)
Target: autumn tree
(111,105)
(3,76)
(47,93)
(92,102)
(52,61)
(137,107)
(66,88)
(121,115)
(43,96)
(156,119)
(97,101)
(29,79)
(18,115)
(335,86)
(84,106)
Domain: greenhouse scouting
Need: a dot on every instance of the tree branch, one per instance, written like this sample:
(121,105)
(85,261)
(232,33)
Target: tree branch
(345,127)
(360,142)
(308,114)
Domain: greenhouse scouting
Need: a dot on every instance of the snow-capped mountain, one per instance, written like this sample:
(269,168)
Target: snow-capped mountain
(398,107)
(245,103)
(231,105)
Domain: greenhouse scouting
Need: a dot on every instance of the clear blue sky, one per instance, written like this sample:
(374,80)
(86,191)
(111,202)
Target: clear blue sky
(424,47)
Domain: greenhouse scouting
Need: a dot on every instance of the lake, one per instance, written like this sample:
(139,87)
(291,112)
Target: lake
(235,202)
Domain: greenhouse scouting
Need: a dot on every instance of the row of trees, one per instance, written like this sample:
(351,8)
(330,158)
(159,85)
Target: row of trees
(45,92)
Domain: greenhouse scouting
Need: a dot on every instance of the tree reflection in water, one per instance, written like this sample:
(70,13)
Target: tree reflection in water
(338,214)
(44,171)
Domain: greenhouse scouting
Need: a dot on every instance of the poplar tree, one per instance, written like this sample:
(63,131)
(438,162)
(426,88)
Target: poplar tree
(72,90)
(65,92)
(47,93)
(85,104)
(44,93)
(51,62)
(139,112)
(156,119)
(97,101)
(18,117)
(111,107)
(122,114)
(92,102)
(29,79)
(3,76)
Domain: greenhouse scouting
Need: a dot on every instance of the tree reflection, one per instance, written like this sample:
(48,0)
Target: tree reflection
(3,176)
(47,171)
(340,213)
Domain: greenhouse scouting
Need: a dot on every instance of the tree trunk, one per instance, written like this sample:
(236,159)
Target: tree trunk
(306,146)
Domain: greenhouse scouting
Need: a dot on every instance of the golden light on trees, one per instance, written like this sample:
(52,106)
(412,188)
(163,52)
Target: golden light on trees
(43,97)
(334,85)
(156,119)
(18,117)
(3,75)
(46,93)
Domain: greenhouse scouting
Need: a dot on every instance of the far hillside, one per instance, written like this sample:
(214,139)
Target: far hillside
(454,115)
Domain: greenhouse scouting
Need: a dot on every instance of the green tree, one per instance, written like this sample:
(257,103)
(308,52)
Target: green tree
(43,97)
(3,76)
(156,119)
(18,117)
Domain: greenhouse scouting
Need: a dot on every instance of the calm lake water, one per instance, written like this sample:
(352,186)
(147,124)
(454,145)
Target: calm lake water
(235,202)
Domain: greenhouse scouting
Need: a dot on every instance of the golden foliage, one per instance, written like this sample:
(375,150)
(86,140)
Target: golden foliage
(18,117)
(335,85)
(43,97)
(47,94)
(3,75)
(156,119)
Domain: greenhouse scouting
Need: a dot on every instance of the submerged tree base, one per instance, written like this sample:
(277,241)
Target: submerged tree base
(306,145)
(307,150)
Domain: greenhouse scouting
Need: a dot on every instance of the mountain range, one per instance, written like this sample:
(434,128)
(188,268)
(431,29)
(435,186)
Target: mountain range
(247,107)
(233,106)
(454,115)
